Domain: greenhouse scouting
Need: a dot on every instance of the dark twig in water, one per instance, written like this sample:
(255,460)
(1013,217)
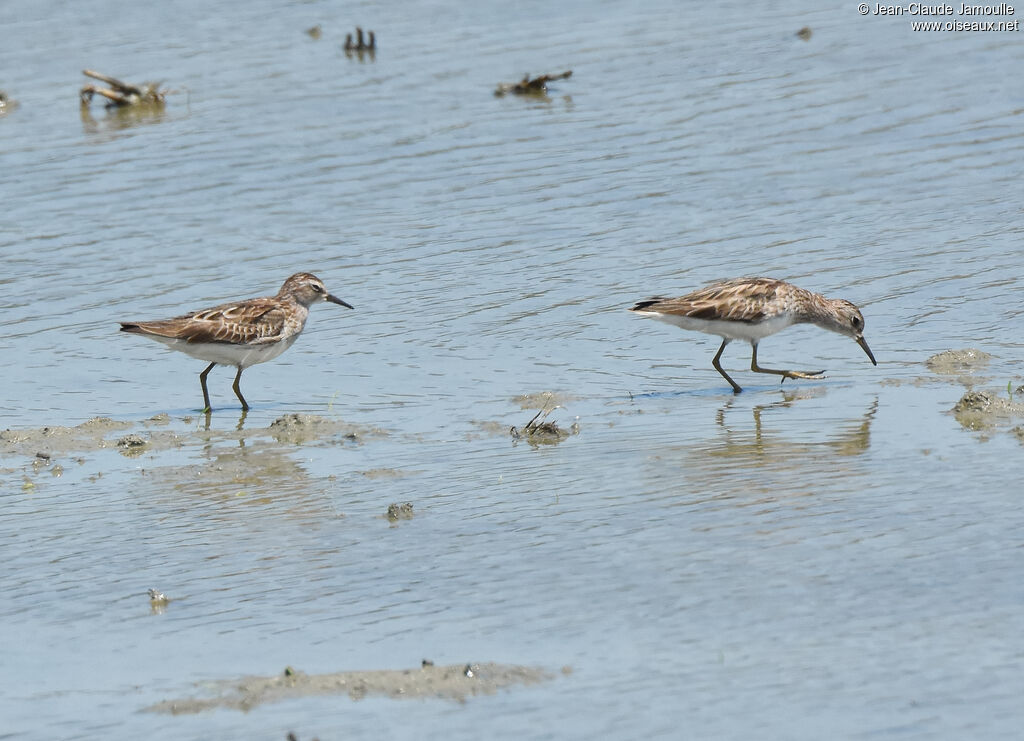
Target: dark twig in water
(122,93)
(527,86)
(361,45)
(539,430)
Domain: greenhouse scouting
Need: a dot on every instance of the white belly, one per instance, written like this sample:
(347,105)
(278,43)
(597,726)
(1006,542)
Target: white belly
(225,353)
(749,331)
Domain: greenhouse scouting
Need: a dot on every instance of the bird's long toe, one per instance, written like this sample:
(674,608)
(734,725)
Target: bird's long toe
(807,375)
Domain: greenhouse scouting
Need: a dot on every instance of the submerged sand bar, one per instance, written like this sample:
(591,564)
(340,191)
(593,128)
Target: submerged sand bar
(453,682)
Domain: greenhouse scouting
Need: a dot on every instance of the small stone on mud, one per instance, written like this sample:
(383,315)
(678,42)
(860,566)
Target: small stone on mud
(132,445)
(131,441)
(399,511)
(973,401)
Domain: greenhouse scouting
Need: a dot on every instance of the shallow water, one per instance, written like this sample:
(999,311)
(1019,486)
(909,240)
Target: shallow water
(831,558)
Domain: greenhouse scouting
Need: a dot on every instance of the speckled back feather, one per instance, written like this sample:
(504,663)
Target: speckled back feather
(247,322)
(254,321)
(738,300)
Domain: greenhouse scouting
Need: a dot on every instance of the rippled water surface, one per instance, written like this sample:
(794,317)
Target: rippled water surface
(825,559)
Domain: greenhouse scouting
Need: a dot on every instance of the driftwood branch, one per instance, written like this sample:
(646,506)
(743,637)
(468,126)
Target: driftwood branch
(527,86)
(123,87)
(361,44)
(121,93)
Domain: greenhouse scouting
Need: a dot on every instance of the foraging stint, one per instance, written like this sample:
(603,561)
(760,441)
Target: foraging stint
(6,104)
(242,333)
(753,308)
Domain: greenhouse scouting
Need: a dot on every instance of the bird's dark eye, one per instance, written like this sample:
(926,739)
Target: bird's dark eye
(857,322)
(317,288)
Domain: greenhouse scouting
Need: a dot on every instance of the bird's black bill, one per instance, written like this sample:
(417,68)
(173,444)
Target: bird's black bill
(864,345)
(339,302)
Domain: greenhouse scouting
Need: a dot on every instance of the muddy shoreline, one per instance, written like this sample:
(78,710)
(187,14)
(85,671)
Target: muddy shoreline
(102,433)
(454,682)
(981,410)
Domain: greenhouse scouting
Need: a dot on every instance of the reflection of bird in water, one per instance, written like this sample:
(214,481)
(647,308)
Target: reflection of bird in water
(754,308)
(843,440)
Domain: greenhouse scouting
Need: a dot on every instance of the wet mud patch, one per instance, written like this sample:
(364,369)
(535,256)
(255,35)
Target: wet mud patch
(987,411)
(256,470)
(958,362)
(134,438)
(259,465)
(303,428)
(456,682)
(99,433)
(58,440)
(964,367)
(255,461)
(386,473)
(54,447)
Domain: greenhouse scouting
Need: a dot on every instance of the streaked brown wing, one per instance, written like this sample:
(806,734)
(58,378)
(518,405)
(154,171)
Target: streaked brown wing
(250,322)
(740,299)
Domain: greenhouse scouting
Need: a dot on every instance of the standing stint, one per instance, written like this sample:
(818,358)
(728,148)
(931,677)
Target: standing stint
(753,308)
(243,333)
